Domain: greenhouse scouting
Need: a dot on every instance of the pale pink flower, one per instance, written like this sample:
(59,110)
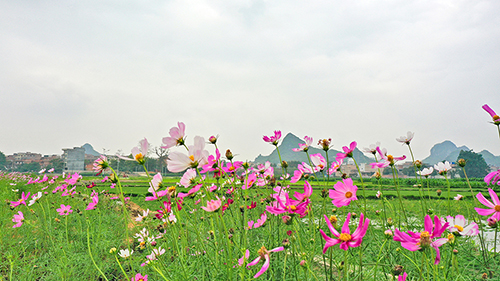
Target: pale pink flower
(459,225)
(259,223)
(177,135)
(139,277)
(458,197)
(387,159)
(335,166)
(426,172)
(51,170)
(263,254)
(100,164)
(442,168)
(138,153)
(407,139)
(302,169)
(344,192)
(304,146)
(188,178)
(378,194)
(273,139)
(35,198)
(241,261)
(249,181)
(95,200)
(192,191)
(197,158)
(19,218)
(372,148)
(416,241)
(213,205)
(345,238)
(64,210)
(144,215)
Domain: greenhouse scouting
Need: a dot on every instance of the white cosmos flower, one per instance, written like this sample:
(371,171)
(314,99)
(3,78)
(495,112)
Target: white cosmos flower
(426,172)
(442,168)
(125,253)
(407,139)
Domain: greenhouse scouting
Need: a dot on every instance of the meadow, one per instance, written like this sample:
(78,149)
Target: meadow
(229,220)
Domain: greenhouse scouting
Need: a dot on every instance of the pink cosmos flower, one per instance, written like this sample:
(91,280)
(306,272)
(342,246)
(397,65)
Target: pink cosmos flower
(307,192)
(458,197)
(273,139)
(232,167)
(192,191)
(335,166)
(23,199)
(284,204)
(459,225)
(138,153)
(95,200)
(177,135)
(259,223)
(100,164)
(344,192)
(348,151)
(249,181)
(407,139)
(304,146)
(492,178)
(73,179)
(494,208)
(387,159)
(403,277)
(19,218)
(51,170)
(302,169)
(319,162)
(494,116)
(245,257)
(139,277)
(345,238)
(213,163)
(213,205)
(197,158)
(263,254)
(416,241)
(64,210)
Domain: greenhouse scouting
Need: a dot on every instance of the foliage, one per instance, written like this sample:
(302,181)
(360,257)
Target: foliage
(476,167)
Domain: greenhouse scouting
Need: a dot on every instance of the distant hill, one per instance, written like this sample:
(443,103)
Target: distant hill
(287,154)
(448,151)
(90,150)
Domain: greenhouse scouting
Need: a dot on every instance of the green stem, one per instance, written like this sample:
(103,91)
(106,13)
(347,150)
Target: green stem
(399,196)
(90,252)
(362,184)
(120,265)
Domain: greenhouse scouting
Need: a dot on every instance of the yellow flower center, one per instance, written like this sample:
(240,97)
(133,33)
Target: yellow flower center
(425,239)
(344,237)
(231,168)
(348,194)
(293,208)
(262,252)
(333,219)
(139,157)
(497,208)
(390,158)
(171,189)
(496,117)
(460,229)
(191,157)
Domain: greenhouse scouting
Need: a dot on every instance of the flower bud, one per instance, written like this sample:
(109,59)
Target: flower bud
(397,270)
(284,164)
(390,222)
(112,250)
(388,233)
(325,144)
(439,191)
(492,222)
(245,165)
(324,193)
(418,164)
(286,219)
(377,212)
(455,251)
(286,243)
(461,162)
(333,220)
(229,155)
(430,211)
(354,215)
(212,139)
(378,175)
(302,263)
(344,176)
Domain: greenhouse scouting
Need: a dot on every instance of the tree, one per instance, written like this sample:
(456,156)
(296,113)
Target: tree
(476,167)
(57,164)
(3,161)
(162,154)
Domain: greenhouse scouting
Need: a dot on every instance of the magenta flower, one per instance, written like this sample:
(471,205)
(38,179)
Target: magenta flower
(197,158)
(213,205)
(23,199)
(494,208)
(307,192)
(177,135)
(345,238)
(95,200)
(348,151)
(344,192)
(260,222)
(459,225)
(192,191)
(403,277)
(494,116)
(335,166)
(245,257)
(416,241)
(302,169)
(249,181)
(492,178)
(139,277)
(407,139)
(273,139)
(64,210)
(284,204)
(263,254)
(19,218)
(213,163)
(304,146)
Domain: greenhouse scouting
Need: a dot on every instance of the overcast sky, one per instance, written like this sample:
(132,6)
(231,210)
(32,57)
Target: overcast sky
(110,73)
